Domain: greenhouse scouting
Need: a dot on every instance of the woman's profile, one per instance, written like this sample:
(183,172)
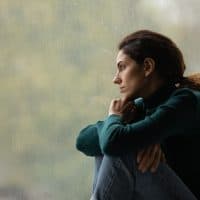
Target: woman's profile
(147,146)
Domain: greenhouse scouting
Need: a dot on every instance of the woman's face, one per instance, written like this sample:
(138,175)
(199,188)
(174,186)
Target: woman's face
(129,76)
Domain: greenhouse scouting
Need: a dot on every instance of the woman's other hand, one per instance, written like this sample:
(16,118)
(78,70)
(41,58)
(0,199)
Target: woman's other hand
(150,158)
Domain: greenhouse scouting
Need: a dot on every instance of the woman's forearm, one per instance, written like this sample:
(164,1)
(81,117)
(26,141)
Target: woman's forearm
(168,119)
(88,138)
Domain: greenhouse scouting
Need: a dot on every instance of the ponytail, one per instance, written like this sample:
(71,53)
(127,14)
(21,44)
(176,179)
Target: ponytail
(192,81)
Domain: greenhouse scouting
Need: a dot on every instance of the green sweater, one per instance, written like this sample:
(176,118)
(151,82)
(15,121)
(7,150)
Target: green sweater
(169,111)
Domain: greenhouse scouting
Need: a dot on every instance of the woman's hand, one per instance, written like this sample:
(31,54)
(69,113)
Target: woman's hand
(124,108)
(150,158)
(120,106)
(115,107)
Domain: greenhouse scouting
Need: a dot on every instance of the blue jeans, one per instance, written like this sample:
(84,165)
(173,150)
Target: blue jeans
(117,178)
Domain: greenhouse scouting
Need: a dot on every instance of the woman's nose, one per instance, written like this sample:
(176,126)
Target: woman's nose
(116,80)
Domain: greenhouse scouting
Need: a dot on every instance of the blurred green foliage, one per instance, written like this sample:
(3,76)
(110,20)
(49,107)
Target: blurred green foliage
(56,70)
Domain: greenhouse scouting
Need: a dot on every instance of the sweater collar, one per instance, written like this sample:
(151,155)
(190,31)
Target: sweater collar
(159,96)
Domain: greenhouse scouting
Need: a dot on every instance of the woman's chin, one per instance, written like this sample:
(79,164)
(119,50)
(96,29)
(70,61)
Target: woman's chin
(128,97)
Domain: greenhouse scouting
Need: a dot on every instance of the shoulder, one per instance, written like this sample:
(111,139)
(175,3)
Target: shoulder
(185,96)
(184,91)
(180,101)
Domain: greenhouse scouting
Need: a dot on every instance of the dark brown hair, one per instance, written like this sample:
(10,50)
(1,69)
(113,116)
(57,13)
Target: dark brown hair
(169,62)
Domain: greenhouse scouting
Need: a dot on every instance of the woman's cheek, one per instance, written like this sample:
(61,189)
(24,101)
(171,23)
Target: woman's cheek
(135,88)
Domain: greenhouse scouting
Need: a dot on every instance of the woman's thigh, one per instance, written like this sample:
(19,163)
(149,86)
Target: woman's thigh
(163,184)
(118,178)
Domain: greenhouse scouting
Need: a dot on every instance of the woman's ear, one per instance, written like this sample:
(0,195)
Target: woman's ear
(149,66)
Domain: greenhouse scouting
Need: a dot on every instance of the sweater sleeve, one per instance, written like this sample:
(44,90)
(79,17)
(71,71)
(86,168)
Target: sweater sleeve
(88,140)
(175,116)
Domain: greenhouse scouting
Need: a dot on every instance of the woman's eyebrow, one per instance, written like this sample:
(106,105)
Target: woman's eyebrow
(124,62)
(118,64)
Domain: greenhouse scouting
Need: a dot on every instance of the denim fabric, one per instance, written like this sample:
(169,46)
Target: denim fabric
(117,178)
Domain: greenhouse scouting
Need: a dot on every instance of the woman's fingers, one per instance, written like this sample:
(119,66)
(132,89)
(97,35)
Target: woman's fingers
(156,161)
(129,112)
(146,159)
(119,106)
(115,107)
(149,158)
(125,112)
(127,107)
(140,155)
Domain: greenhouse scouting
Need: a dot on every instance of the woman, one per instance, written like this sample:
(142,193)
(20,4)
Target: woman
(150,70)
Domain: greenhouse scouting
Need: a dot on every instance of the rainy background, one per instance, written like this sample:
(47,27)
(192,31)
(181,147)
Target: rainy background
(57,61)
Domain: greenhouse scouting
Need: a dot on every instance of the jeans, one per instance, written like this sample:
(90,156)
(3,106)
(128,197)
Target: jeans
(117,178)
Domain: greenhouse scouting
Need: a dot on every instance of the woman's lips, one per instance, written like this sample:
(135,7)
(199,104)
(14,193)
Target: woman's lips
(121,88)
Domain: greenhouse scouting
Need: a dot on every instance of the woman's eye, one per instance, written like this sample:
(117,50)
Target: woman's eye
(121,67)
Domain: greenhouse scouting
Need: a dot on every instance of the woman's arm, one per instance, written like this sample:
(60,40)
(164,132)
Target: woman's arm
(88,140)
(175,116)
